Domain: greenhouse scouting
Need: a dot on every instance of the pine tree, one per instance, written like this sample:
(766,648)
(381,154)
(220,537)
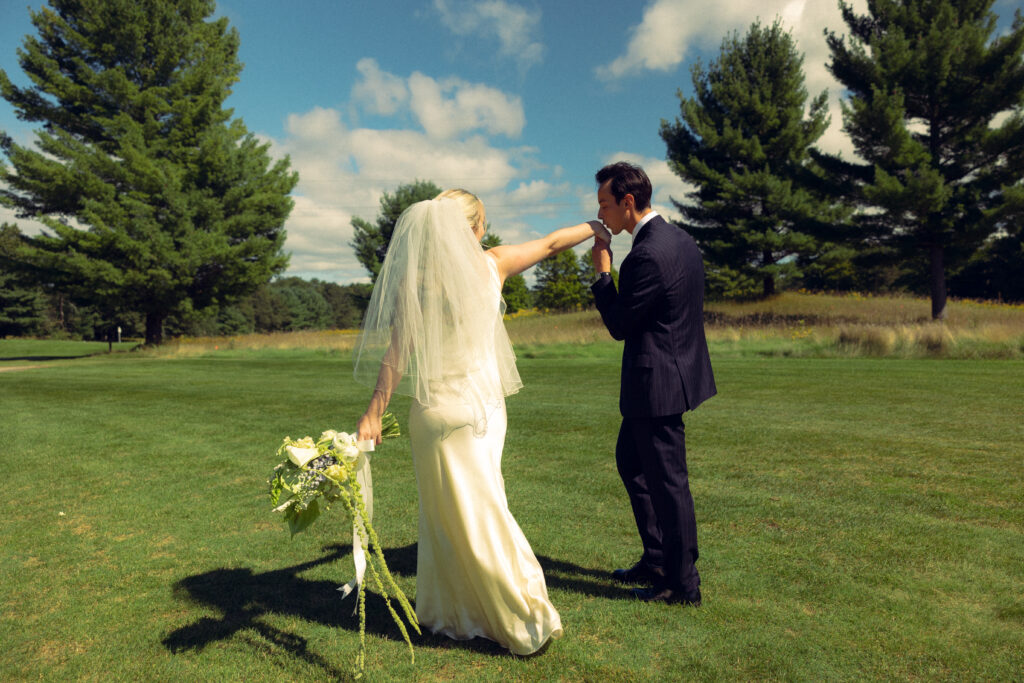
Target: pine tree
(744,140)
(588,276)
(22,306)
(558,285)
(517,294)
(994,272)
(156,201)
(371,240)
(927,80)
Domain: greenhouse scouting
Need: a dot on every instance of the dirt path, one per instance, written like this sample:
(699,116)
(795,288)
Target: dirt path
(20,367)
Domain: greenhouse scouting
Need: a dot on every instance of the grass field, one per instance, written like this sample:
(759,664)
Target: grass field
(859,518)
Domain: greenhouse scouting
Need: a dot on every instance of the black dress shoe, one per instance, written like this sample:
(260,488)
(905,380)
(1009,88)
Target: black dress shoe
(639,573)
(670,596)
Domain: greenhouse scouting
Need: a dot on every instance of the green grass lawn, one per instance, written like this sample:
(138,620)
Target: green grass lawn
(858,519)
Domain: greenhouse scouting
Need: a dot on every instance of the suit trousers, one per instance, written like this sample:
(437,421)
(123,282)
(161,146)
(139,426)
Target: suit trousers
(651,458)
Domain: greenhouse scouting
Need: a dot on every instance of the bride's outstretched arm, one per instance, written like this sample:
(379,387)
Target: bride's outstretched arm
(515,258)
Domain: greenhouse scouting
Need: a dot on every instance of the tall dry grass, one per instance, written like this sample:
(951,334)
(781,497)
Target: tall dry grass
(801,323)
(854,308)
(792,324)
(312,340)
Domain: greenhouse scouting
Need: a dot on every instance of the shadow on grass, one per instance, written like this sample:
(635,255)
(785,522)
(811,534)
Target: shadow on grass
(571,577)
(40,359)
(242,597)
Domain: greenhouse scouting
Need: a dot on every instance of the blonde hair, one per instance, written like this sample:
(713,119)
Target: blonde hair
(471,206)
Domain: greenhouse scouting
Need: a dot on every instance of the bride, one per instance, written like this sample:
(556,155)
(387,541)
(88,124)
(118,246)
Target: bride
(434,331)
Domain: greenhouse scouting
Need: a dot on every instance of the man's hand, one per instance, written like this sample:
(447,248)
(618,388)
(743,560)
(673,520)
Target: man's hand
(600,232)
(601,253)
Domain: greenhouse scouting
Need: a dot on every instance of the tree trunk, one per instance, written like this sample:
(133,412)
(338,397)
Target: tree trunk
(938,283)
(154,328)
(769,285)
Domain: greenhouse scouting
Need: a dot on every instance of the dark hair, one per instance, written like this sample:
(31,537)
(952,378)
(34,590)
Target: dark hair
(626,179)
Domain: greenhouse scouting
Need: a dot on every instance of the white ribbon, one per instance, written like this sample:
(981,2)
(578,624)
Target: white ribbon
(365,480)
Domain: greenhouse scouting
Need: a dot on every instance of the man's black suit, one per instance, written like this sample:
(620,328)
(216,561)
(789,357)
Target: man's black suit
(659,312)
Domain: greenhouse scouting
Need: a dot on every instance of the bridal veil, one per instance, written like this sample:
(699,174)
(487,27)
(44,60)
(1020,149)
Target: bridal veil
(435,318)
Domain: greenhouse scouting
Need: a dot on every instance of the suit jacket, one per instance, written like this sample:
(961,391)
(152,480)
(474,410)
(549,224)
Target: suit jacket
(659,312)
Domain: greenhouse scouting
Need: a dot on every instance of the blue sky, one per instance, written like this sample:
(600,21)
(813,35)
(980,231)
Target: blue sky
(518,101)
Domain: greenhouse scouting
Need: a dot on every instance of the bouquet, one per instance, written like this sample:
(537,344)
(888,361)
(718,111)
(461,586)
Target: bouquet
(336,467)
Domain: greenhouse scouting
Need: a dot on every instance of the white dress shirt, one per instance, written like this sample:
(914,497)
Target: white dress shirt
(642,222)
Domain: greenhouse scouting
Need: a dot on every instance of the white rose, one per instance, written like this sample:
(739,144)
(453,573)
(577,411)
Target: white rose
(345,447)
(342,439)
(349,453)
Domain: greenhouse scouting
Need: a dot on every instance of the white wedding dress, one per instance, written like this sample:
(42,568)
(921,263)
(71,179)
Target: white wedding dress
(476,574)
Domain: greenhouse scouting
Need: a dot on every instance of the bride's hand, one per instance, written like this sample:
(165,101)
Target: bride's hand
(369,427)
(600,232)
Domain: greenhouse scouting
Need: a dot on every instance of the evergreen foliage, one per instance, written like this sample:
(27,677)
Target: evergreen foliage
(927,80)
(588,275)
(347,303)
(745,140)
(995,271)
(371,240)
(517,294)
(287,304)
(156,201)
(22,308)
(558,285)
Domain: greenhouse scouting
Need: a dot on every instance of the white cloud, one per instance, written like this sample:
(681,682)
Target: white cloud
(395,155)
(514,26)
(531,192)
(450,107)
(318,239)
(835,140)
(343,172)
(662,38)
(379,92)
(317,125)
(672,31)
(445,108)
(999,119)
(26,225)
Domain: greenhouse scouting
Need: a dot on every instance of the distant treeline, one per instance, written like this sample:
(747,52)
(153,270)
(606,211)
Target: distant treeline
(285,304)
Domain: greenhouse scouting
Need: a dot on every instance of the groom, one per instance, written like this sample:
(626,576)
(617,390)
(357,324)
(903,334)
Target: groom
(659,311)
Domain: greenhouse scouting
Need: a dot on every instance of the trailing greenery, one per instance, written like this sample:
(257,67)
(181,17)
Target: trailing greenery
(927,80)
(858,519)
